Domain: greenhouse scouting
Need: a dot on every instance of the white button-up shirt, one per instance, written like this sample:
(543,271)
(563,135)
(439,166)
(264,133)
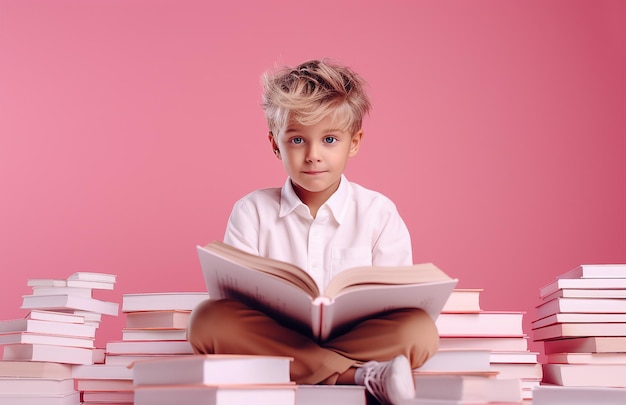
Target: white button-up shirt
(354,227)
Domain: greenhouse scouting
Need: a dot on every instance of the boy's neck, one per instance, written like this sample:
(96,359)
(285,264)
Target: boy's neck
(314,200)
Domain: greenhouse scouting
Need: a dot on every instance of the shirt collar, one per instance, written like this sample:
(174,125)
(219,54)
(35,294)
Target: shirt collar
(337,203)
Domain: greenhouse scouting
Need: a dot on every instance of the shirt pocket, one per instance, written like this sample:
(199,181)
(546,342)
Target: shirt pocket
(345,258)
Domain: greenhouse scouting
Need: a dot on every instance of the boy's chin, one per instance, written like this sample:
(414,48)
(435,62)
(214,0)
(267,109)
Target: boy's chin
(312,187)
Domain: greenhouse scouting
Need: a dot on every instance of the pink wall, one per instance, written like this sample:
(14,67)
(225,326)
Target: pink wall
(128,128)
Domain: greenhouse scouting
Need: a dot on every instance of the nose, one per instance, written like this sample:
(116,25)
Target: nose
(313,154)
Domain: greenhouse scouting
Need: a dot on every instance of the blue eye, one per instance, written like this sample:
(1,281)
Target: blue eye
(330,139)
(297,140)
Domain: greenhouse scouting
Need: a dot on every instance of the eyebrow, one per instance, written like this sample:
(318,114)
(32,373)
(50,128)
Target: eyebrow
(288,130)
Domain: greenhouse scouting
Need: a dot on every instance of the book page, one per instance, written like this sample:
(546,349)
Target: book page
(284,270)
(227,279)
(358,277)
(357,304)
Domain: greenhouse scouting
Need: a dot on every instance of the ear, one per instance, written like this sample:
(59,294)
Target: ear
(270,137)
(355,143)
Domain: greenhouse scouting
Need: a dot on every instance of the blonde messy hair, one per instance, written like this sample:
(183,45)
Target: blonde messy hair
(311,91)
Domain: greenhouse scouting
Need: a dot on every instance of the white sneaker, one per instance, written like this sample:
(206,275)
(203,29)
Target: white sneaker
(390,382)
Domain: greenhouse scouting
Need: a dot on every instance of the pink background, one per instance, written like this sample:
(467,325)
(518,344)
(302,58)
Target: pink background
(128,128)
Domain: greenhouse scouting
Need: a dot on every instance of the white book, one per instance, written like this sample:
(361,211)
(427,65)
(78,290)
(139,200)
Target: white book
(77,283)
(36,386)
(504,343)
(154,334)
(514,357)
(579,318)
(457,360)
(33,399)
(560,395)
(272,394)
(564,330)
(102,372)
(91,276)
(506,390)
(149,347)
(83,292)
(331,394)
(46,282)
(463,300)
(467,388)
(588,375)
(581,305)
(95,285)
(213,369)
(586,293)
(158,319)
(45,339)
(55,316)
(65,302)
(290,293)
(485,323)
(49,327)
(162,301)
(127,360)
(582,283)
(586,358)
(36,369)
(596,271)
(108,397)
(587,344)
(104,384)
(48,353)
(527,371)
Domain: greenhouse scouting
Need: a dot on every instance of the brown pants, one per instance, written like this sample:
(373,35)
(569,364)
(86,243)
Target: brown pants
(230,327)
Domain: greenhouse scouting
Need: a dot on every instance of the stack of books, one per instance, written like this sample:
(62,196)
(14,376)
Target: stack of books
(104,384)
(214,379)
(464,326)
(459,375)
(159,316)
(561,395)
(465,388)
(35,383)
(582,324)
(48,336)
(155,327)
(58,332)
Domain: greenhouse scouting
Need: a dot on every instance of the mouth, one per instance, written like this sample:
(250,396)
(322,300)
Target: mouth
(314,172)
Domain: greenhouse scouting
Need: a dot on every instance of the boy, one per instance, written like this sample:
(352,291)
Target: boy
(324,224)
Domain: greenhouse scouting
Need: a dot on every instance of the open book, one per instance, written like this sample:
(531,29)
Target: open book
(290,293)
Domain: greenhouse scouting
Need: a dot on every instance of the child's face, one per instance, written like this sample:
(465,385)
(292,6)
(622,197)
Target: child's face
(315,156)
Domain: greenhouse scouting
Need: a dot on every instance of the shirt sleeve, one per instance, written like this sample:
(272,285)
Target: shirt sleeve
(393,245)
(242,229)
